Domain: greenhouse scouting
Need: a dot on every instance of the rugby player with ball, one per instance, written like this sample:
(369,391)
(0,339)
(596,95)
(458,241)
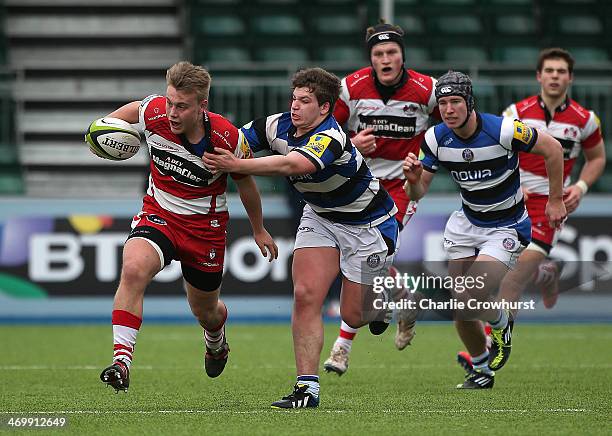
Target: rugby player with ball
(184,214)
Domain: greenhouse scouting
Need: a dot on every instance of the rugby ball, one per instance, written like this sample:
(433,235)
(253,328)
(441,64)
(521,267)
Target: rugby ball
(112,138)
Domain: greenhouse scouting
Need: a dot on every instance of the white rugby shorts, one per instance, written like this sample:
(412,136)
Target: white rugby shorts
(363,251)
(464,239)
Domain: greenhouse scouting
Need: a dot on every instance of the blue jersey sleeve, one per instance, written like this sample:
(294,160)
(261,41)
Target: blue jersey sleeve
(255,134)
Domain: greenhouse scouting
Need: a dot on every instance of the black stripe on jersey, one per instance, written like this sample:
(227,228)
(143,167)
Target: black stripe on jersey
(495,215)
(334,146)
(376,202)
(568,146)
(342,191)
(426,150)
(483,194)
(348,145)
(496,163)
(425,146)
(259,125)
(311,158)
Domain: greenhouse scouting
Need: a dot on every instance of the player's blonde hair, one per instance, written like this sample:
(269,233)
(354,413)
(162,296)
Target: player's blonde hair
(184,76)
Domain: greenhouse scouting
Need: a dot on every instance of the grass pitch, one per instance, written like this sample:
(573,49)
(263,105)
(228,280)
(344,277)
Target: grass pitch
(558,381)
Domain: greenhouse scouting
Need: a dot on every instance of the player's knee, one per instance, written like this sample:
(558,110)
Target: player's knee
(134,274)
(303,296)
(203,309)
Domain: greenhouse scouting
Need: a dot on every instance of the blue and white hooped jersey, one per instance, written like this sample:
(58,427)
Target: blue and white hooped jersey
(342,189)
(485,166)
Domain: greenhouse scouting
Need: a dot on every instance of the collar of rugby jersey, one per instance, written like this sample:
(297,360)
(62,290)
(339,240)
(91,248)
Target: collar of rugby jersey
(559,108)
(386,92)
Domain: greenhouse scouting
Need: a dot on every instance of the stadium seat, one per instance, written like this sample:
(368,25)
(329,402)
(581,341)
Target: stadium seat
(579,24)
(516,55)
(460,24)
(11,183)
(483,88)
(277,24)
(278,1)
(219,25)
(464,54)
(282,54)
(588,55)
(411,24)
(225,54)
(454,2)
(327,24)
(416,54)
(515,24)
(340,53)
(214,2)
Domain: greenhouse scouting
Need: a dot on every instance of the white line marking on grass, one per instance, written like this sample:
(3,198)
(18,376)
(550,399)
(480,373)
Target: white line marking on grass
(254,412)
(275,367)
(57,367)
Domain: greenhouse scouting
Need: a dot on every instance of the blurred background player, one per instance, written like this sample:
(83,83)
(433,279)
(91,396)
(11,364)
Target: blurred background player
(347,226)
(184,215)
(486,236)
(386,109)
(578,130)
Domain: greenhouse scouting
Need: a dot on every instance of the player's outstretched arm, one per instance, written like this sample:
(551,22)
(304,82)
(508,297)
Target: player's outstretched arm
(127,112)
(551,150)
(595,162)
(417,181)
(293,164)
(249,195)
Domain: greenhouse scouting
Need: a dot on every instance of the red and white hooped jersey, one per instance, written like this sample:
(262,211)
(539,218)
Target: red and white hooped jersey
(179,182)
(572,125)
(399,124)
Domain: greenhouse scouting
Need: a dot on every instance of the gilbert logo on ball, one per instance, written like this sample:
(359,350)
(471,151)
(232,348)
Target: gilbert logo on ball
(112,138)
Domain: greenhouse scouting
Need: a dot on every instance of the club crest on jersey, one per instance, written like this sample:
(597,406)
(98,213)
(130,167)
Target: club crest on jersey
(468,155)
(409,109)
(157,220)
(509,243)
(373,260)
(212,253)
(318,144)
(570,132)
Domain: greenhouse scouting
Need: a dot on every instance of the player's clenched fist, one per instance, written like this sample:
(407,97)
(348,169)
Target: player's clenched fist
(412,168)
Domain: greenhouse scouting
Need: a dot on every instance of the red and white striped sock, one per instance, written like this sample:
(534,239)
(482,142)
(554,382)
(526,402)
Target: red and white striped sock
(346,336)
(214,337)
(487,330)
(125,329)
